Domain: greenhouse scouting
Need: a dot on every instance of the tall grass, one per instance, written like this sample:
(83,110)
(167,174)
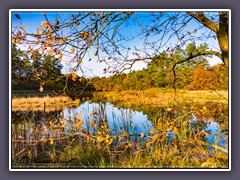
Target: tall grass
(162,97)
(40,103)
(174,142)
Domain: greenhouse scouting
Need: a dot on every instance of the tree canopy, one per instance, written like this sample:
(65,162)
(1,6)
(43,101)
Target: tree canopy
(120,39)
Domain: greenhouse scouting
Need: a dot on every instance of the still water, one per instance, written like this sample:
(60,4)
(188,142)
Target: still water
(89,117)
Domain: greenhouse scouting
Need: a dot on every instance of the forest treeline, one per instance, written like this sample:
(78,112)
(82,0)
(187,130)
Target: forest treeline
(39,72)
(194,74)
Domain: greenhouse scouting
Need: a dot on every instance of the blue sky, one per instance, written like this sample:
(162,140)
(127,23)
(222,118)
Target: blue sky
(32,21)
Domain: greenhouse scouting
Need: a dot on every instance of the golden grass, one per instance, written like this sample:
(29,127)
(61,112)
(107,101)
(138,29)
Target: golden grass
(101,150)
(163,97)
(39,103)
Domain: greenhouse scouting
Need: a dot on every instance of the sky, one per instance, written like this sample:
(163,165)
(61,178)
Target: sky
(32,21)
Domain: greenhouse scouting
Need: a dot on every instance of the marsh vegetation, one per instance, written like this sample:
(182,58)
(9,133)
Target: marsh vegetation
(120,90)
(125,134)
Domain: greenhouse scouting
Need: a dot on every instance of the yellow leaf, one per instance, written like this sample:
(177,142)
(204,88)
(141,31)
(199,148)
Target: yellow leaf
(142,135)
(101,13)
(41,88)
(56,21)
(44,24)
(14,40)
(152,130)
(148,145)
(169,109)
(125,133)
(19,41)
(51,141)
(73,49)
(60,57)
(74,77)
(49,52)
(175,130)
(120,138)
(62,40)
(206,164)
(22,26)
(50,42)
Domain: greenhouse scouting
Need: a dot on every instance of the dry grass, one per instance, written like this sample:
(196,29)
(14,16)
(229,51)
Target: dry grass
(163,97)
(39,103)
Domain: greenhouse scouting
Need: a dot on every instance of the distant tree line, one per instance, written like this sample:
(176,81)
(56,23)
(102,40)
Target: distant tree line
(38,72)
(159,73)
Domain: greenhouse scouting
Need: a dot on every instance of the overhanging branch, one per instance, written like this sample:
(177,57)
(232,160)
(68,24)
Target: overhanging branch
(200,16)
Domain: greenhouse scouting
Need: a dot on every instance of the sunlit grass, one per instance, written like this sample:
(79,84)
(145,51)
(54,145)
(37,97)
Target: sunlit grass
(163,97)
(64,143)
(39,103)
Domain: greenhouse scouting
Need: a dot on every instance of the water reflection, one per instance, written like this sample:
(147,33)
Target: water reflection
(90,118)
(134,122)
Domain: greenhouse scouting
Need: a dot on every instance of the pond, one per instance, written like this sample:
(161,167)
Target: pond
(104,122)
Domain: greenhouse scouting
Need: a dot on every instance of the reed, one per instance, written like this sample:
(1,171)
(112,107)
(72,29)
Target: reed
(39,103)
(64,143)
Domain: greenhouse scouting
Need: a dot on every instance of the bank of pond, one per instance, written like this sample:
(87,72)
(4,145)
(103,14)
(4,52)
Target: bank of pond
(97,133)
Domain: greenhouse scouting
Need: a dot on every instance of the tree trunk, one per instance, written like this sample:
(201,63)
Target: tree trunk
(222,35)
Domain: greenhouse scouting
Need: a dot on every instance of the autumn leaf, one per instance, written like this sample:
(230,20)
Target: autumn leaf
(194,31)
(14,40)
(72,49)
(152,130)
(142,135)
(206,164)
(125,133)
(169,109)
(96,53)
(50,42)
(44,24)
(56,21)
(51,141)
(22,26)
(175,130)
(39,31)
(61,41)
(148,145)
(50,52)
(41,88)
(101,13)
(60,57)
(57,28)
(74,77)
(19,33)
(78,23)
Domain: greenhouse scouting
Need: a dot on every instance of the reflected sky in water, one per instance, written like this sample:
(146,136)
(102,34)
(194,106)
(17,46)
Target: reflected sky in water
(118,120)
